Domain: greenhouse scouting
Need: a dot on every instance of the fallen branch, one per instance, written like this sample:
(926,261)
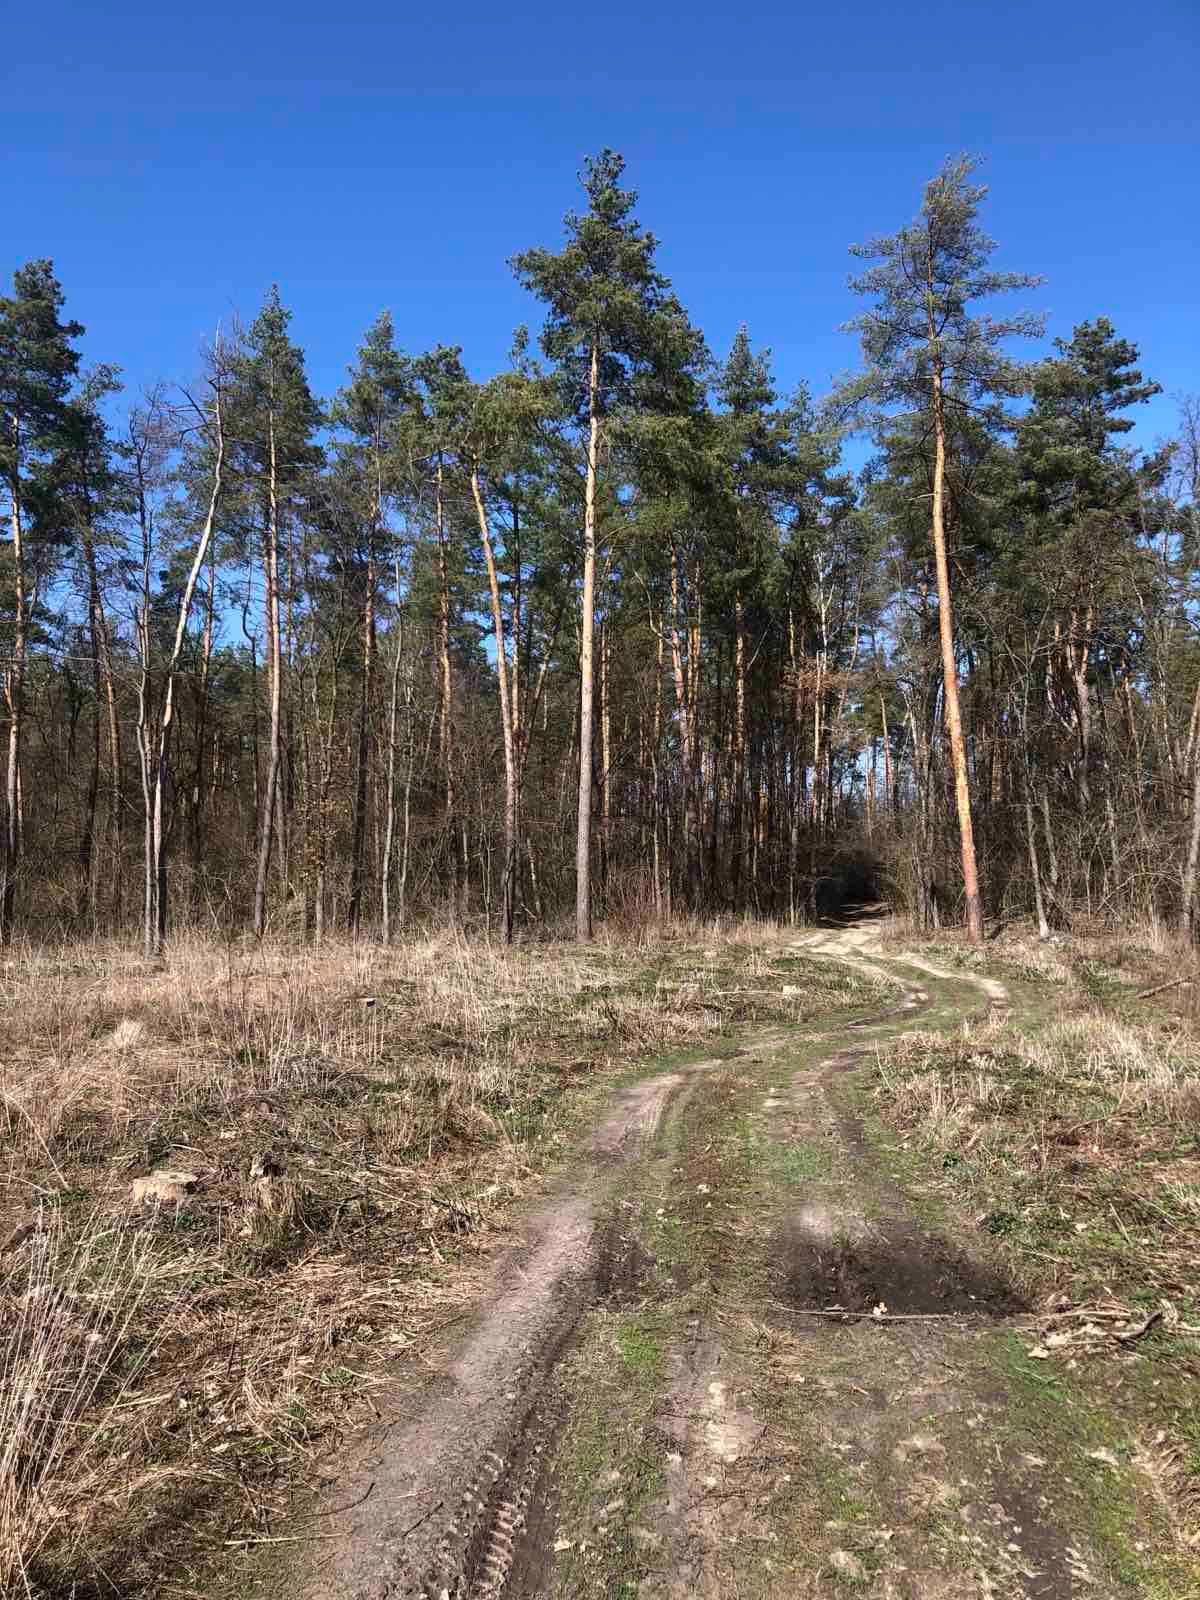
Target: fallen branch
(283,1538)
(1171,983)
(1089,1314)
(896,1316)
(1139,1333)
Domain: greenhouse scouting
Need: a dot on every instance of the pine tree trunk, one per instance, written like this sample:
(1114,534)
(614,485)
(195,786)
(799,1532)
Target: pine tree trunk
(86,860)
(583,829)
(410,754)
(458,865)
(14,694)
(115,830)
(655,781)
(687,729)
(1187,914)
(145,739)
(605,759)
(275,659)
(737,808)
(146,765)
(90,859)
(958,753)
(389,826)
(1034,870)
(359,844)
(511,838)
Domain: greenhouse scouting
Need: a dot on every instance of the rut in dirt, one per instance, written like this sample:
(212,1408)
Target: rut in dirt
(447,1498)
(895,1270)
(836,1260)
(500,1541)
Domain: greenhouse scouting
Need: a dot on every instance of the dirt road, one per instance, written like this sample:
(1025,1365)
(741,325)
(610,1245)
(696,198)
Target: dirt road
(735,1354)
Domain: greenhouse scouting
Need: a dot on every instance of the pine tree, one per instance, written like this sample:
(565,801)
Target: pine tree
(1080,503)
(371,411)
(927,355)
(779,471)
(273,417)
(90,481)
(38,362)
(612,328)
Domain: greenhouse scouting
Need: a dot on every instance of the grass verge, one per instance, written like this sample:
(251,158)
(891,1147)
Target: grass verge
(1067,1140)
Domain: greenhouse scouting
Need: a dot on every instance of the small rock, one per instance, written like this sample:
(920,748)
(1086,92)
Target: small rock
(167,1185)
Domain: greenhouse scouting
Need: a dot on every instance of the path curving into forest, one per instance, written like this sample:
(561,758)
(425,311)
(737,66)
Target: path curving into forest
(732,1354)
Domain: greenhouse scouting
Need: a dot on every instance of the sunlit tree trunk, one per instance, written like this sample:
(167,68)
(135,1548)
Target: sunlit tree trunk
(359,842)
(14,696)
(389,827)
(511,797)
(583,827)
(275,684)
(953,715)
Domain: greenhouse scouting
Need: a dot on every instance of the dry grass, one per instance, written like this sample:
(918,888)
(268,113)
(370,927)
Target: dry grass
(1075,1145)
(355,1121)
(66,1322)
(1072,1141)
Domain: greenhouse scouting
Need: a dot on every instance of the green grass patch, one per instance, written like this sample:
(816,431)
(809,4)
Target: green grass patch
(640,1348)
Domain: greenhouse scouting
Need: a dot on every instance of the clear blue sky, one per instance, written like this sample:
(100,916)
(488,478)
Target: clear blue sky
(175,160)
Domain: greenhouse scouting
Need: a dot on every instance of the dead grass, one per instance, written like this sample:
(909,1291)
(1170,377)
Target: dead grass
(348,1126)
(1074,1143)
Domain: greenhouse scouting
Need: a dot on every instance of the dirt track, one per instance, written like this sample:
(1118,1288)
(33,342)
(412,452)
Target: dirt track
(449,1488)
(817,1409)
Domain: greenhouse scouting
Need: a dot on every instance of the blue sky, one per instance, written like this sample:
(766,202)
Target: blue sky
(175,161)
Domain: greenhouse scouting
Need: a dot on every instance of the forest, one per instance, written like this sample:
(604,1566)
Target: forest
(599,988)
(617,631)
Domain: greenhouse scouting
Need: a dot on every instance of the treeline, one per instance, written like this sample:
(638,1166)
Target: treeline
(615,627)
